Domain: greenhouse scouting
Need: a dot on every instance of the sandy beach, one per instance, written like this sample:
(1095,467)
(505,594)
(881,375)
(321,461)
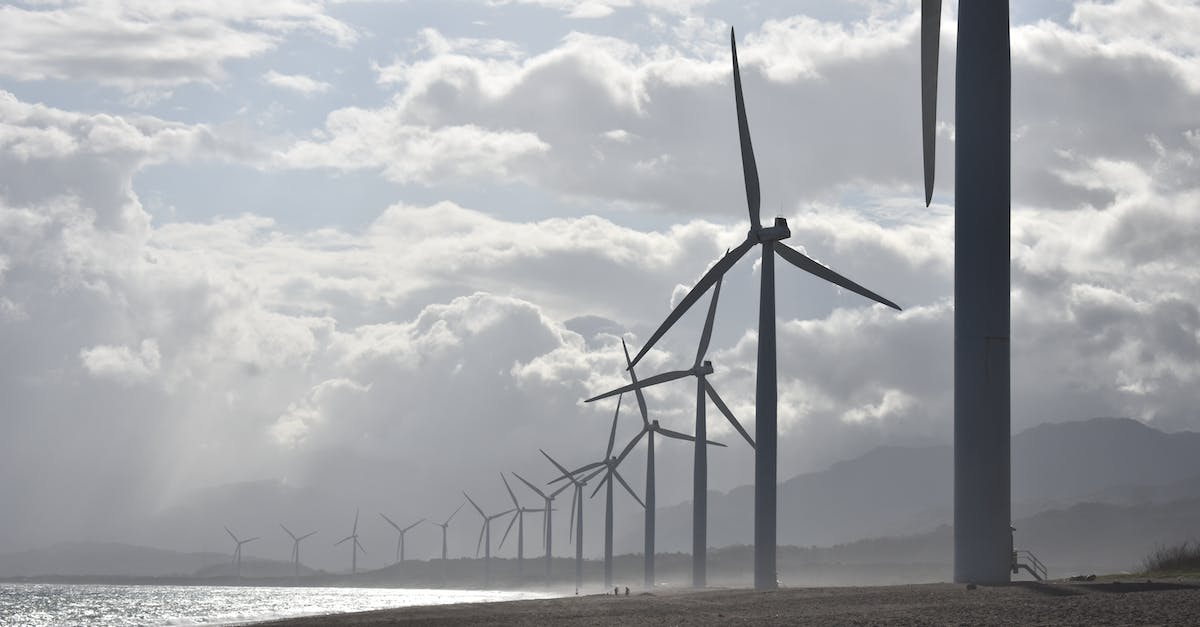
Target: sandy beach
(1140,602)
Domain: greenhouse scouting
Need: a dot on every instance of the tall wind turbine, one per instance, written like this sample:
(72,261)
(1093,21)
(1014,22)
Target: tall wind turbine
(609,467)
(766,392)
(355,547)
(486,531)
(547,530)
(400,530)
(296,549)
(519,518)
(576,513)
(982,222)
(700,369)
(237,552)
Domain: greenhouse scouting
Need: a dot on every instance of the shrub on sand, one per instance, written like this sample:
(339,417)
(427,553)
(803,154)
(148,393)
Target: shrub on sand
(1182,558)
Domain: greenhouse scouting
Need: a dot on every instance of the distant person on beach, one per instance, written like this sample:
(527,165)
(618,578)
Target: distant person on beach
(626,590)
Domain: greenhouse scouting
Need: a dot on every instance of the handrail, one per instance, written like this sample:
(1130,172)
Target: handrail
(1038,569)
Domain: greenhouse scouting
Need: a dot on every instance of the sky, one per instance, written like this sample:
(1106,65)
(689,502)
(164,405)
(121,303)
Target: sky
(386,248)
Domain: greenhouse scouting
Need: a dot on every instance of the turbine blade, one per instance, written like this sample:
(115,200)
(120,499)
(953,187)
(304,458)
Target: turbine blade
(931,27)
(557,465)
(477,508)
(250,540)
(571,529)
(508,529)
(480,542)
(800,260)
(510,492)
(289,531)
(359,546)
(644,383)
(612,435)
(355,521)
(592,476)
(390,521)
(607,475)
(698,290)
(675,434)
(560,489)
(412,525)
(632,443)
(235,538)
(716,399)
(342,540)
(628,489)
(749,169)
(460,506)
(641,399)
(305,536)
(706,336)
(531,486)
(586,467)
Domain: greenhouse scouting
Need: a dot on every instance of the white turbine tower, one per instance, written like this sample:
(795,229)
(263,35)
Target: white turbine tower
(982,233)
(355,547)
(519,518)
(400,530)
(237,552)
(295,549)
(486,532)
(576,527)
(700,369)
(547,529)
(769,238)
(609,467)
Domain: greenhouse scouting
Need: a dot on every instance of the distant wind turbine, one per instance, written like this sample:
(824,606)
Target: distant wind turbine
(355,547)
(519,518)
(445,525)
(766,393)
(547,528)
(237,552)
(401,531)
(609,467)
(576,512)
(700,369)
(296,549)
(486,531)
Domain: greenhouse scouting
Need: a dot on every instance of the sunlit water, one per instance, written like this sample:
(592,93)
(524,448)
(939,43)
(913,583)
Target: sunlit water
(59,604)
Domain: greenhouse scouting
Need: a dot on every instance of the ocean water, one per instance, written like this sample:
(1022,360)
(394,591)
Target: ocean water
(68,604)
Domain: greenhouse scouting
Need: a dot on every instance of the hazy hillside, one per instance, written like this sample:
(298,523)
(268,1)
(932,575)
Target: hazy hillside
(107,558)
(892,491)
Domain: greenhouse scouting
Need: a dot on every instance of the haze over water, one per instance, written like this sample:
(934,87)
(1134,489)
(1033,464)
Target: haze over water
(68,604)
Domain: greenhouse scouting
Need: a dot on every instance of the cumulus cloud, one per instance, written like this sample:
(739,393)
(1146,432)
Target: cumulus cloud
(137,44)
(304,85)
(122,363)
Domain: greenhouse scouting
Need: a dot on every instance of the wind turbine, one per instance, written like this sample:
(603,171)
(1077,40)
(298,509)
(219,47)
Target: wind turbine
(576,512)
(609,467)
(296,549)
(355,547)
(444,526)
(766,392)
(401,531)
(547,535)
(486,530)
(982,232)
(519,518)
(700,369)
(237,552)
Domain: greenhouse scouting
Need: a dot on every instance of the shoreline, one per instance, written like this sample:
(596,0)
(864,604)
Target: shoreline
(1129,602)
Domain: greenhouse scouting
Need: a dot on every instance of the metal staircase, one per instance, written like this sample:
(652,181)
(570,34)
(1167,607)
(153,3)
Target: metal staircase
(1025,560)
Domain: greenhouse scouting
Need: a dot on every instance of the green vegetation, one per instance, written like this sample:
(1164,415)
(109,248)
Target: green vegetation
(1174,561)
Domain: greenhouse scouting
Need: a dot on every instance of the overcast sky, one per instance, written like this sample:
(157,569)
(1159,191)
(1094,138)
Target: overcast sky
(396,243)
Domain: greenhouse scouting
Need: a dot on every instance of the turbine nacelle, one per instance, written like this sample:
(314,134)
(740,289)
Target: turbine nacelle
(703,369)
(773,233)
